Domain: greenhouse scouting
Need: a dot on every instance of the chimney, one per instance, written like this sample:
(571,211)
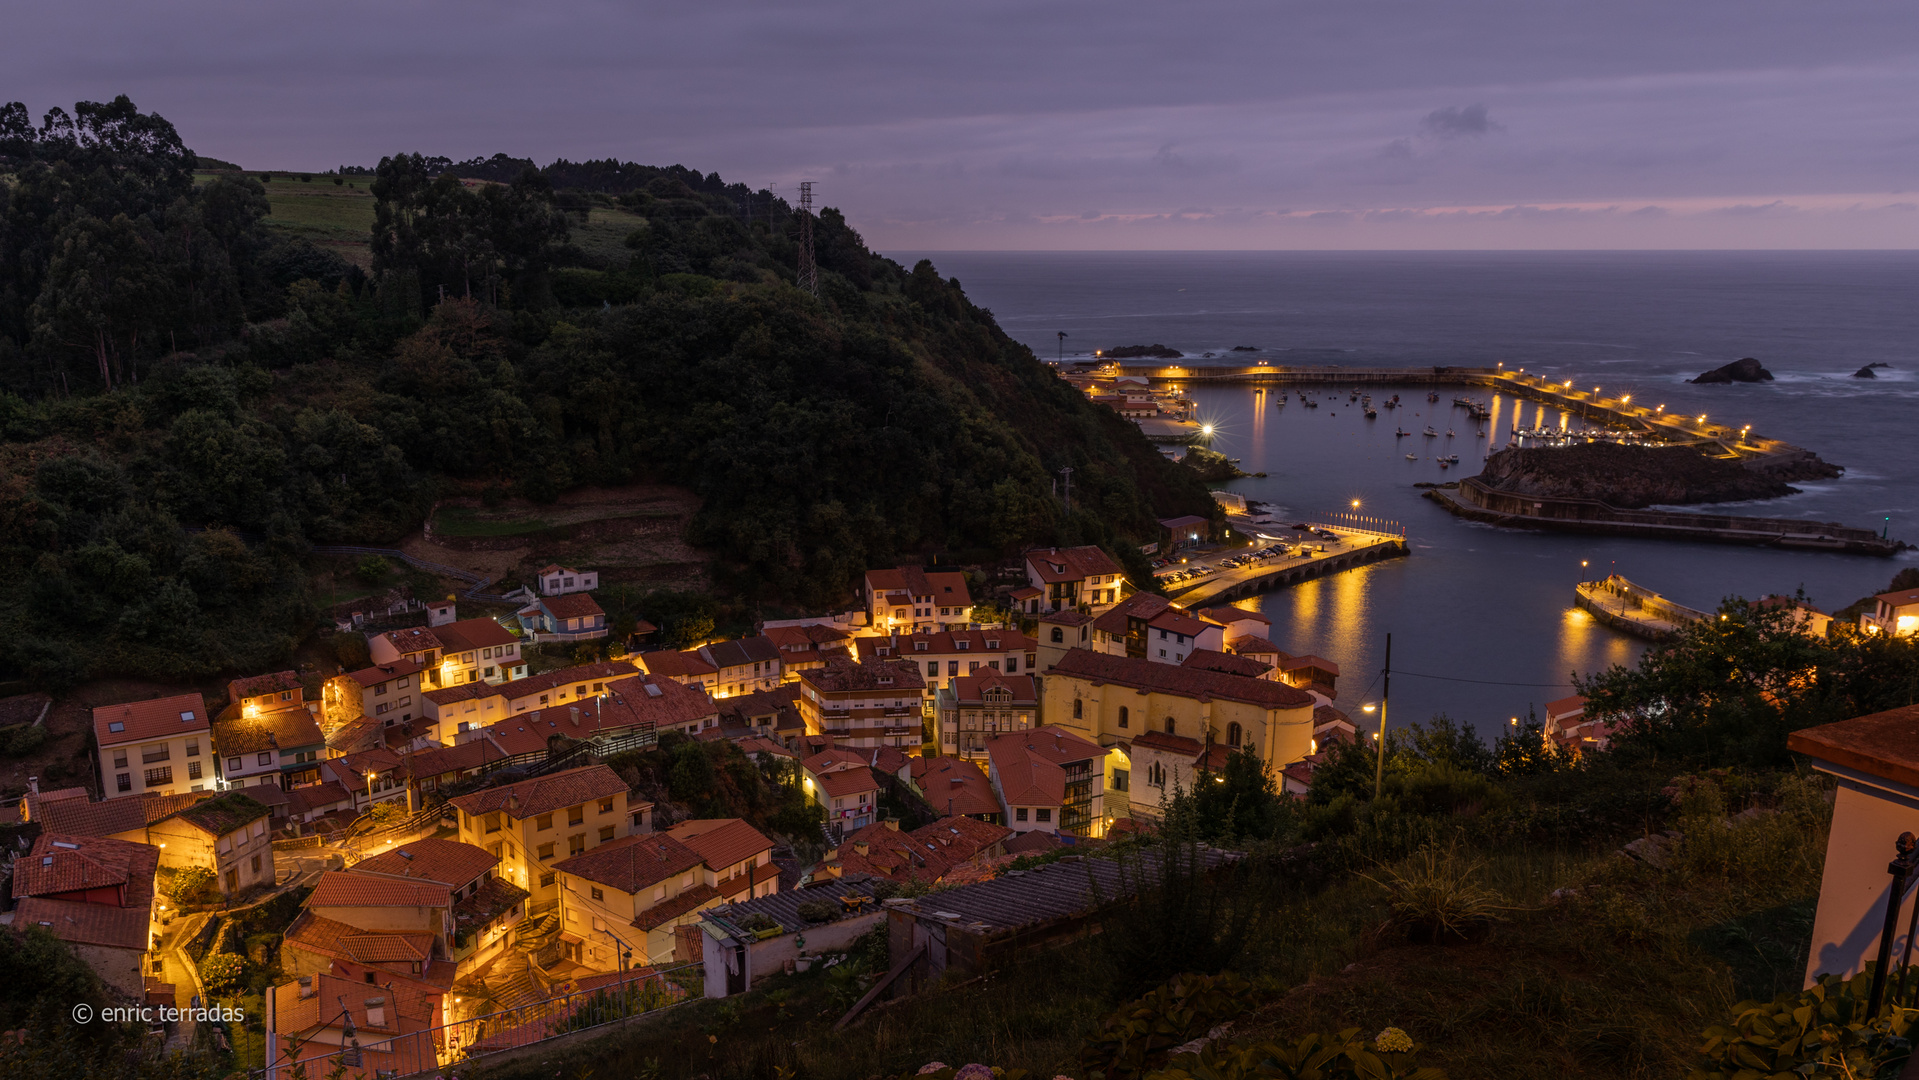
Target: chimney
(306,987)
(893,823)
(574,712)
(860,846)
(376,1012)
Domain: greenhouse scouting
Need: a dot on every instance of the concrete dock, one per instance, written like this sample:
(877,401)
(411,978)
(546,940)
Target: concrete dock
(1356,547)
(1635,610)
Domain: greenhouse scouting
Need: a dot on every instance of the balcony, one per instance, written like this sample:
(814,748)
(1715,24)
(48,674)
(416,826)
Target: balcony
(148,757)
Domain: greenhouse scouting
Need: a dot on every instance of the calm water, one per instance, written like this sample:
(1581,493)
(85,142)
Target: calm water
(1482,619)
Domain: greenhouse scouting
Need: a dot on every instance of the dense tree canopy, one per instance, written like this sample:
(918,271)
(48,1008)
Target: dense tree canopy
(188,398)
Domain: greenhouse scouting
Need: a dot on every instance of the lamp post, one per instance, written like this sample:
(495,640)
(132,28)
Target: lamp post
(1385,692)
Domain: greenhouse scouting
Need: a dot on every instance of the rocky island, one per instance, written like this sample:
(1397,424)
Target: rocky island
(1154,351)
(1631,477)
(1744,370)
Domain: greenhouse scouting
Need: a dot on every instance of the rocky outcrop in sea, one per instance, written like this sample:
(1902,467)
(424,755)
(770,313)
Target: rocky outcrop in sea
(1746,370)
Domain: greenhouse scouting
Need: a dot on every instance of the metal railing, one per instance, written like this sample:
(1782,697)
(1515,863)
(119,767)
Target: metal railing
(608,1000)
(1904,869)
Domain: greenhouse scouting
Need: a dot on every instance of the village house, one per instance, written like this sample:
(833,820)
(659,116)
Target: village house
(1077,577)
(95,894)
(572,617)
(842,783)
(386,693)
(876,703)
(264,693)
(466,651)
(468,707)
(949,655)
(163,745)
(415,916)
(373,776)
(485,906)
(689,668)
(1568,726)
(1112,699)
(765,714)
(279,746)
(806,646)
(1162,765)
(748,941)
(312,1023)
(226,834)
(976,708)
(1800,613)
(926,855)
(1895,613)
(739,857)
(743,666)
(913,599)
(430,770)
(621,901)
(556,580)
(119,819)
(1049,779)
(534,824)
(956,788)
(635,709)
(1060,631)
(1025,600)
(1150,627)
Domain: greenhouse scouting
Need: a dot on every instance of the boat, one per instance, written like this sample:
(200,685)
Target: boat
(1434,396)
(1451,459)
(1412,457)
(1400,433)
(1449,433)
(1430,433)
(1370,414)
(1480,434)
(1442,463)
(1311,404)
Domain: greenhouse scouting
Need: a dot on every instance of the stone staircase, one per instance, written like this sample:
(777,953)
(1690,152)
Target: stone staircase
(514,979)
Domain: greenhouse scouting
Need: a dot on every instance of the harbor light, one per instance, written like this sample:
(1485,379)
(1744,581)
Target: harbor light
(1207,429)
(1627,400)
(1662,408)
(1355,504)
(1702,418)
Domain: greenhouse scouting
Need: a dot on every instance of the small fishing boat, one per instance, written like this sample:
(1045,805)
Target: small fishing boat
(1449,433)
(1412,457)
(1400,433)
(1430,433)
(1371,414)
(1480,434)
(1433,396)
(1311,404)
(1442,463)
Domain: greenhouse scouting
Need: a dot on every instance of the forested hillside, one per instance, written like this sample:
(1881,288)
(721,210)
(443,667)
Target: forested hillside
(171,365)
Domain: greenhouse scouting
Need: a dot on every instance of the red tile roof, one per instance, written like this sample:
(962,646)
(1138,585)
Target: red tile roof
(85,924)
(741,652)
(1247,644)
(471,635)
(458,758)
(972,688)
(577,605)
(61,863)
(721,842)
(145,721)
(633,863)
(1029,763)
(946,587)
(841,675)
(1227,663)
(677,665)
(341,888)
(839,785)
(945,643)
(1056,565)
(545,794)
(1167,743)
(302,800)
(1226,615)
(926,854)
(1118,620)
(827,759)
(1301,663)
(114,816)
(1140,673)
(1033,842)
(274,729)
(255,685)
(414,639)
(691,900)
(805,639)
(449,862)
(954,786)
(379,673)
(330,937)
(534,684)
(1565,706)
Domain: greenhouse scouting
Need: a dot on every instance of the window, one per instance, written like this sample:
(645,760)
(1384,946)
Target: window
(266,757)
(161,775)
(576,814)
(659,892)
(1043,814)
(493,823)
(402,682)
(606,833)
(1079,709)
(1120,780)
(116,727)
(933,667)
(193,748)
(119,759)
(1169,726)
(597,894)
(579,691)
(952,667)
(1019,813)
(606,806)
(1156,775)
(256,864)
(1124,717)
(543,822)
(576,843)
(380,690)
(546,851)
(1012,665)
(1232,734)
(546,880)
(193,770)
(123,782)
(493,849)
(639,819)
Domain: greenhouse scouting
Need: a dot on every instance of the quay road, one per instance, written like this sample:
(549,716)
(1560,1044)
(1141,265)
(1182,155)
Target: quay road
(1352,547)
(1730,442)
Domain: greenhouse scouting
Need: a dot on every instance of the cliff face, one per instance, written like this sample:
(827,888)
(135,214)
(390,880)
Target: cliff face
(1629,477)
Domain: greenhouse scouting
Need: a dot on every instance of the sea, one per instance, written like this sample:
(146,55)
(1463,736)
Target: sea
(1482,622)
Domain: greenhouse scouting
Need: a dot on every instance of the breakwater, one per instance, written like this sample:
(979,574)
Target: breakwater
(1478,501)
(1634,609)
(1357,548)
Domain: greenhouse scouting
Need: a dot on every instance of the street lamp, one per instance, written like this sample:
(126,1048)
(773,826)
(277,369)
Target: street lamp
(1582,570)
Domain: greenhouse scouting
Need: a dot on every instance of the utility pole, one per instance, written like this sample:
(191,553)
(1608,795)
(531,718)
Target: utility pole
(809,270)
(1385,693)
(1062,348)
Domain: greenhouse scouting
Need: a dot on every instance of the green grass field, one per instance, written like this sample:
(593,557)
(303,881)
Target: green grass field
(603,237)
(334,216)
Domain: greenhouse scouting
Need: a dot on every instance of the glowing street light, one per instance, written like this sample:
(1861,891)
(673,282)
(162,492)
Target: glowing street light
(1207,429)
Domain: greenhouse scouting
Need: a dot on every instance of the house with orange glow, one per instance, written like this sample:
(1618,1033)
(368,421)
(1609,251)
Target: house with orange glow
(1895,613)
(1076,577)
(162,745)
(914,599)
(96,895)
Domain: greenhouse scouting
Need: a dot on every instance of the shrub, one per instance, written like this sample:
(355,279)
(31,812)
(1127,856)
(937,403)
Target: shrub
(192,885)
(21,739)
(1822,1031)
(817,910)
(1141,1034)
(1390,1055)
(1434,896)
(373,569)
(220,972)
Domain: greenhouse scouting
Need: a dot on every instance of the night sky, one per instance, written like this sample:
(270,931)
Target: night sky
(1081,124)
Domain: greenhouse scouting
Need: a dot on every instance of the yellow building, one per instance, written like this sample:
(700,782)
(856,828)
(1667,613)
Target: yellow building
(536,823)
(1113,699)
(163,745)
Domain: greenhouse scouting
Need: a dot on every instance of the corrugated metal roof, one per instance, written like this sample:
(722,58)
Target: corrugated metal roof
(1019,899)
(784,907)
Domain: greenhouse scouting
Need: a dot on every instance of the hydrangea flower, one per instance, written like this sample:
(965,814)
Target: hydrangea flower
(974,1071)
(932,1067)
(1392,1041)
